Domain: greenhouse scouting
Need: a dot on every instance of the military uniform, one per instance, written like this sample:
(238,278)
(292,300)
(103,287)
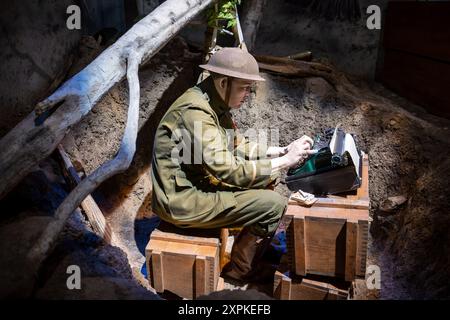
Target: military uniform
(204,193)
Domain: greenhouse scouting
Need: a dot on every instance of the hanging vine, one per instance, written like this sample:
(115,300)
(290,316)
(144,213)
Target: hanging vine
(223,15)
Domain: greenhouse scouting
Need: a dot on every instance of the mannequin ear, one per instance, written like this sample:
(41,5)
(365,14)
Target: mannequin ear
(223,82)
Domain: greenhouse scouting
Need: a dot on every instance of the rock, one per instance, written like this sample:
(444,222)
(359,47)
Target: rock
(16,239)
(391,204)
(95,288)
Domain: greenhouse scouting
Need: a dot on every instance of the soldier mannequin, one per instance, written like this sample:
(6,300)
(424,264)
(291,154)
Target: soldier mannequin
(221,185)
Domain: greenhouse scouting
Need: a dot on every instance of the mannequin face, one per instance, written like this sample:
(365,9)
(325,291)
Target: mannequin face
(237,93)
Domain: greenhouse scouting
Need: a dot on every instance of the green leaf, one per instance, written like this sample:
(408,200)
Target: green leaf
(231,23)
(226,12)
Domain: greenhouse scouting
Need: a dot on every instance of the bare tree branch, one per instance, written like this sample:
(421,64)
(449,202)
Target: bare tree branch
(35,138)
(117,165)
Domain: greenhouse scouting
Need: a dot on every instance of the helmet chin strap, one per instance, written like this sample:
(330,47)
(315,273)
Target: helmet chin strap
(228,92)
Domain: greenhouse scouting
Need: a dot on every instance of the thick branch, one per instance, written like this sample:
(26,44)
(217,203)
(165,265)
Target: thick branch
(298,68)
(32,141)
(86,186)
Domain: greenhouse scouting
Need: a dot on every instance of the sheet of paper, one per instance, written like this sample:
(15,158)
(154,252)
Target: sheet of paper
(337,142)
(350,147)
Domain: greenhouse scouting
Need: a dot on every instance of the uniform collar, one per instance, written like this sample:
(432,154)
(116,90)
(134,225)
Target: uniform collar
(215,101)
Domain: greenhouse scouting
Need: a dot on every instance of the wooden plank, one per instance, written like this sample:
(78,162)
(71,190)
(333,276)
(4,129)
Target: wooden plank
(299,245)
(361,250)
(181,248)
(340,202)
(179,273)
(157,271)
(88,205)
(200,276)
(282,286)
(227,254)
(174,237)
(326,212)
(419,28)
(212,267)
(362,193)
(96,219)
(315,290)
(325,249)
(220,284)
(224,233)
(418,70)
(303,288)
(214,272)
(350,250)
(424,81)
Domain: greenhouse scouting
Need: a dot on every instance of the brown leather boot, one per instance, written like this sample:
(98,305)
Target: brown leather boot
(246,254)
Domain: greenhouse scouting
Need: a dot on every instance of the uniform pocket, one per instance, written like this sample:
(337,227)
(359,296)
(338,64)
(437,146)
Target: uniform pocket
(182,182)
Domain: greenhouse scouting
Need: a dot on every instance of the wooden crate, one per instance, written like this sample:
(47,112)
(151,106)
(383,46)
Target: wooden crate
(188,266)
(330,237)
(301,288)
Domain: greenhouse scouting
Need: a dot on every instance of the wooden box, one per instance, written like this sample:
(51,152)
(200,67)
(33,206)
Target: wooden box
(330,237)
(187,266)
(301,288)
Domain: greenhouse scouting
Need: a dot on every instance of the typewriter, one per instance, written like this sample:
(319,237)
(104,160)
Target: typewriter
(335,168)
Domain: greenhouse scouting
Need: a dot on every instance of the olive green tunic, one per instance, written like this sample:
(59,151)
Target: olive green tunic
(202,176)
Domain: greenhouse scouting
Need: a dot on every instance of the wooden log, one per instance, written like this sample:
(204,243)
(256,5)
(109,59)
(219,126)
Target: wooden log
(306,56)
(35,137)
(298,68)
(88,205)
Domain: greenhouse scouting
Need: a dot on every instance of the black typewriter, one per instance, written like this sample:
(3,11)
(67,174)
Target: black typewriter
(335,168)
